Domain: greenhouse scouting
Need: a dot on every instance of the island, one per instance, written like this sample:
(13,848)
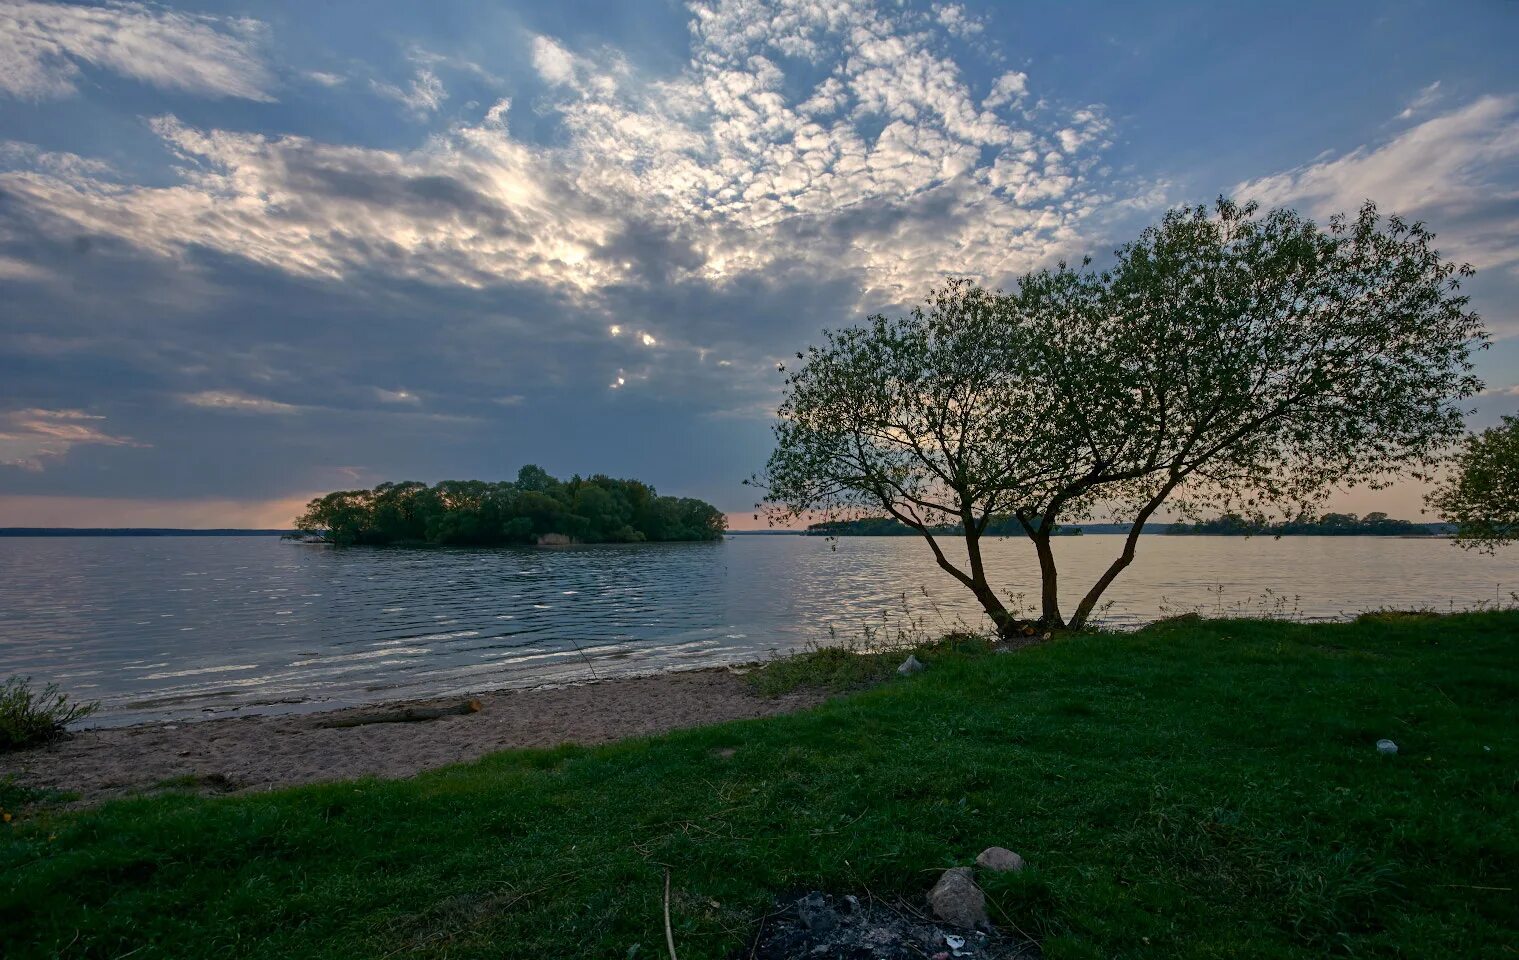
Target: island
(534,509)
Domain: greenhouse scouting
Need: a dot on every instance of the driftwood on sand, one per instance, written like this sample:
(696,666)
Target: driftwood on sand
(403,715)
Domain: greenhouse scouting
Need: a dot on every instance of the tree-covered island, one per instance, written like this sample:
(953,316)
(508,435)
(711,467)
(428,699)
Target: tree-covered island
(535,508)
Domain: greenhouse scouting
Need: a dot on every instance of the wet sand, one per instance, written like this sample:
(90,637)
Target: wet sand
(248,754)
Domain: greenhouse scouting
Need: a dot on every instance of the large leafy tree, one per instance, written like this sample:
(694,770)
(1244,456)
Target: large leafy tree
(1481,495)
(933,418)
(1227,360)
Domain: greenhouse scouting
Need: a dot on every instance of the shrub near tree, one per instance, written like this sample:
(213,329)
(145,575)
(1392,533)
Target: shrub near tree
(597,509)
(1481,495)
(1228,360)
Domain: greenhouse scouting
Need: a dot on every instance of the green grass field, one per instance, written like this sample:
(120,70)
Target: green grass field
(1197,789)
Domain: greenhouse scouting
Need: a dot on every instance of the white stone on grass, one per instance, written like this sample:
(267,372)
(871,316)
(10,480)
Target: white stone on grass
(911,665)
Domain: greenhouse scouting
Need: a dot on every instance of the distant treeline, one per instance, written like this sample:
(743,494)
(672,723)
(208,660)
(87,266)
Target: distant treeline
(133,532)
(892,527)
(1328,525)
(535,508)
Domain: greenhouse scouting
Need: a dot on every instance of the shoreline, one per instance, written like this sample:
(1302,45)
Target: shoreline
(264,752)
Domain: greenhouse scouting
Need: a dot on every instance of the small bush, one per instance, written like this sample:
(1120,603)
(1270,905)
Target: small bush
(30,717)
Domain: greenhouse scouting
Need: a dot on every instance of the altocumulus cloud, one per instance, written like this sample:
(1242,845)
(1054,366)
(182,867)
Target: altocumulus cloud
(889,164)
(589,244)
(808,162)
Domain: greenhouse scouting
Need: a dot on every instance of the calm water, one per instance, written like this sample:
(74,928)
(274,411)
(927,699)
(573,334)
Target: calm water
(195,627)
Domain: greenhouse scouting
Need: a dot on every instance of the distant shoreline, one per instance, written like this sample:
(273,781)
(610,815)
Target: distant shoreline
(135,532)
(1090,530)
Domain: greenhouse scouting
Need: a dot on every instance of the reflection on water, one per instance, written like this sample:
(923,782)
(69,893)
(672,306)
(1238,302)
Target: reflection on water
(191,627)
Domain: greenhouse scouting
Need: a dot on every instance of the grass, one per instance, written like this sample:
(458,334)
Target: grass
(1195,789)
(854,666)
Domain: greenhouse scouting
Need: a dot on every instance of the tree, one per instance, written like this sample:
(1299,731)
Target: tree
(1227,359)
(933,419)
(1481,496)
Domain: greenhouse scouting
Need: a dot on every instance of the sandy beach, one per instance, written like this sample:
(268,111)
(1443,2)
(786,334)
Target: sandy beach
(255,753)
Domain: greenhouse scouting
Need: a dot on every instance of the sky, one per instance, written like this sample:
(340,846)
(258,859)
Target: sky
(252,252)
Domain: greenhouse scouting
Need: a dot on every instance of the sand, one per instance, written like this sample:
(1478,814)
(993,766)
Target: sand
(249,754)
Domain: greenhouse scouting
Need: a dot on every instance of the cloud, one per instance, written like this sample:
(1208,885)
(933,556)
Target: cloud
(888,166)
(16,154)
(30,438)
(1456,170)
(952,17)
(44,45)
(424,96)
(496,115)
(1422,101)
(14,269)
(555,64)
(1008,88)
(235,402)
(801,168)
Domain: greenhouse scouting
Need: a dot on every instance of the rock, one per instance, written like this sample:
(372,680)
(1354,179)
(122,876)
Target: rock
(957,900)
(816,913)
(1386,748)
(1000,859)
(911,665)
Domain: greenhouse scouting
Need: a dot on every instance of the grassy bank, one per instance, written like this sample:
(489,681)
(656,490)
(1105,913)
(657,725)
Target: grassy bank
(1197,789)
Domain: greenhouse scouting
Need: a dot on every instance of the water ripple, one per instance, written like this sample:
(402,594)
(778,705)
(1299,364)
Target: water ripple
(191,627)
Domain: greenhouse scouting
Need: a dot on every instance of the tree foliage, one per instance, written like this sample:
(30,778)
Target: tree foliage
(597,509)
(1481,496)
(1228,359)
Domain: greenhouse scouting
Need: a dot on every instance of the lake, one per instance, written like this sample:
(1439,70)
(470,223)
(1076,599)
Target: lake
(186,627)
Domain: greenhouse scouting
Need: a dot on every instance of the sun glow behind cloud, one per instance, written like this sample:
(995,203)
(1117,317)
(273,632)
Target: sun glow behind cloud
(718,157)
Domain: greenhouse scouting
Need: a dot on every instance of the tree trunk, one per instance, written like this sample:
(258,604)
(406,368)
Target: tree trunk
(1004,621)
(1049,583)
(1007,625)
(1088,602)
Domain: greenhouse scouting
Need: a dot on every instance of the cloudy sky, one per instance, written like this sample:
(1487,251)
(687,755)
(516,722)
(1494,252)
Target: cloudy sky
(250,252)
